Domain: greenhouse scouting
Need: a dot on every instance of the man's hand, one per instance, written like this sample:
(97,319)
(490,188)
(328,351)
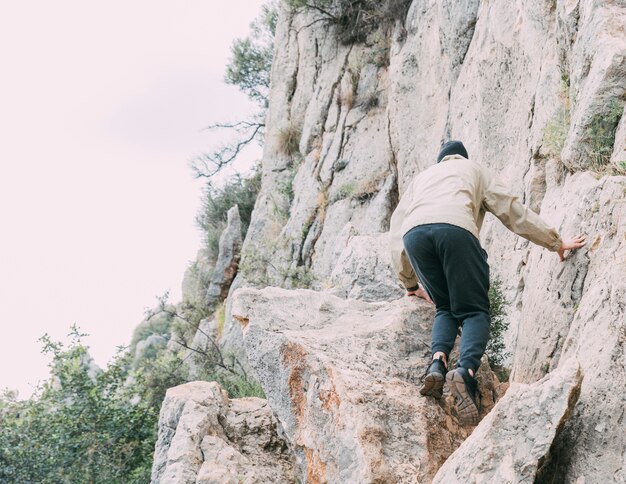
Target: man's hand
(575,243)
(420,293)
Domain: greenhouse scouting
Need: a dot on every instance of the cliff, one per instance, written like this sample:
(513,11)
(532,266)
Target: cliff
(536,91)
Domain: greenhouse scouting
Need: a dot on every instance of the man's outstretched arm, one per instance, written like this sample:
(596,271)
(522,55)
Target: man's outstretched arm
(523,221)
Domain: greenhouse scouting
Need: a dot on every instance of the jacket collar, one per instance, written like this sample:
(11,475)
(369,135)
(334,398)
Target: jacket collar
(452,157)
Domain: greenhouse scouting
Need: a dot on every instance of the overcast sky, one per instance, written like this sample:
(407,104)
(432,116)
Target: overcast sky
(102,104)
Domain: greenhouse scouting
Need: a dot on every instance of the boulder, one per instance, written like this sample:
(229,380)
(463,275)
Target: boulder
(514,440)
(342,377)
(206,438)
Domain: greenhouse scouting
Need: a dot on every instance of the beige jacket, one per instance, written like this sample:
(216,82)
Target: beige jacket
(459,191)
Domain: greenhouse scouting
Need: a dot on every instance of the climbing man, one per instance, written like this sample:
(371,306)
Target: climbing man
(434,241)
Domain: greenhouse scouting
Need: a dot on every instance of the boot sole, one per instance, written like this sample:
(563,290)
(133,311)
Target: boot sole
(465,406)
(433,385)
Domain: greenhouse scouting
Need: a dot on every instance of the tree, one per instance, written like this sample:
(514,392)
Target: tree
(249,69)
(81,426)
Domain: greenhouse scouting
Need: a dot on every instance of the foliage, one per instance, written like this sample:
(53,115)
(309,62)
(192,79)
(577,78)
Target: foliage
(299,277)
(216,201)
(249,69)
(256,266)
(289,140)
(155,375)
(378,53)
(100,426)
(345,191)
(155,325)
(169,369)
(237,385)
(80,426)
(371,101)
(361,192)
(499,324)
(600,134)
(557,128)
(251,62)
(356,19)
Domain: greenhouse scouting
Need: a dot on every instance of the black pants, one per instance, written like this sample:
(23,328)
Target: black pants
(452,267)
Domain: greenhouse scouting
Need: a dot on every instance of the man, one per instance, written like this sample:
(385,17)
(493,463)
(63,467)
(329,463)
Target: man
(434,240)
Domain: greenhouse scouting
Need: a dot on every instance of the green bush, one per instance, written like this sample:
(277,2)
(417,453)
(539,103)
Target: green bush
(156,375)
(499,324)
(157,324)
(600,135)
(96,426)
(346,190)
(216,201)
(79,427)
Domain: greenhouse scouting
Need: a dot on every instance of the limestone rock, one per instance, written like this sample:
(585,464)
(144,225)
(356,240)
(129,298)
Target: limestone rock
(206,438)
(598,68)
(513,441)
(363,270)
(228,258)
(581,315)
(342,377)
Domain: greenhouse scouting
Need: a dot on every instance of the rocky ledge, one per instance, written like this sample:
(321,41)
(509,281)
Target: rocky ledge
(206,438)
(342,377)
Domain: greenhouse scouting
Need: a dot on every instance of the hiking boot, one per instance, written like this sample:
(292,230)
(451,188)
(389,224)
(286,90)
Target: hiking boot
(434,378)
(464,387)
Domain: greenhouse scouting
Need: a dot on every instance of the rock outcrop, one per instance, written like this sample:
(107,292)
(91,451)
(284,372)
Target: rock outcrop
(342,377)
(227,259)
(206,438)
(514,440)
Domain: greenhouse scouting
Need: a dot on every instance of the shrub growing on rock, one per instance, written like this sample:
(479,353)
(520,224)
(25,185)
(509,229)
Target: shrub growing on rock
(499,324)
(289,140)
(601,135)
(356,19)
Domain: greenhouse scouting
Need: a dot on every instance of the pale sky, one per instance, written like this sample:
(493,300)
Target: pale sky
(102,104)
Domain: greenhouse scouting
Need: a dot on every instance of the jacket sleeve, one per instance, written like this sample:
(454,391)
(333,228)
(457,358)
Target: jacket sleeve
(399,260)
(515,216)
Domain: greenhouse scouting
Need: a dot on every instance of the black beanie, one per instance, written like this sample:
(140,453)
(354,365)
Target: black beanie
(452,148)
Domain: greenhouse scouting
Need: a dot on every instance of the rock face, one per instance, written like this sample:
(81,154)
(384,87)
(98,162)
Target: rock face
(513,441)
(342,377)
(363,269)
(524,85)
(206,438)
